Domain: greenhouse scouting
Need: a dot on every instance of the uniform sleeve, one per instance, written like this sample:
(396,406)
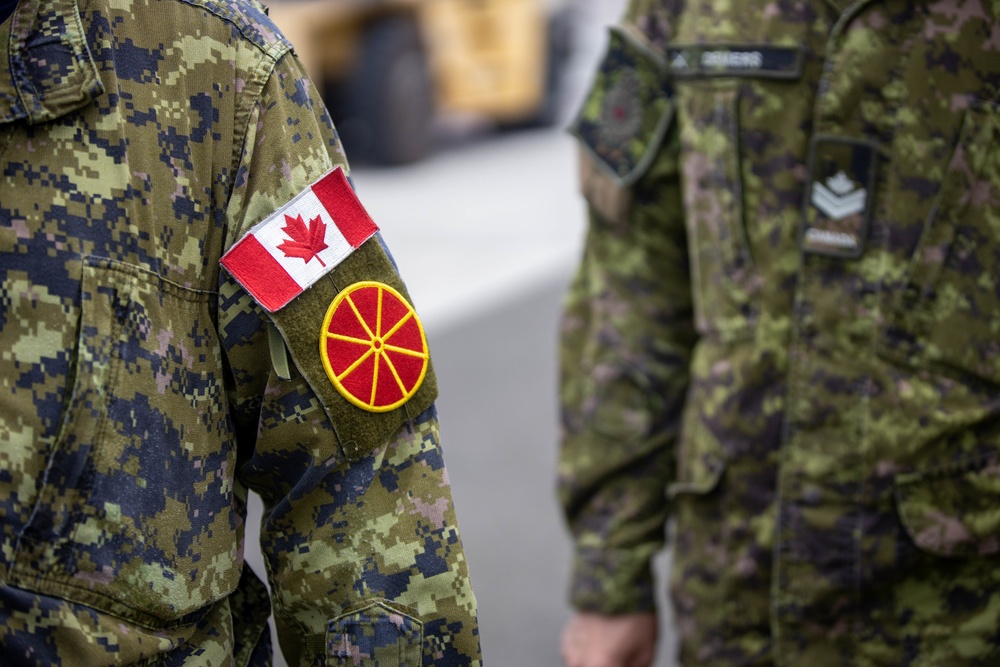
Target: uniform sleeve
(363,553)
(626,338)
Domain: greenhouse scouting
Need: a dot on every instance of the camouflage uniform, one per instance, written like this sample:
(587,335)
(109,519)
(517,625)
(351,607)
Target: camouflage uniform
(785,330)
(138,396)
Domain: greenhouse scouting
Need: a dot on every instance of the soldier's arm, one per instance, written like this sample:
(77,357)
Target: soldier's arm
(359,533)
(627,336)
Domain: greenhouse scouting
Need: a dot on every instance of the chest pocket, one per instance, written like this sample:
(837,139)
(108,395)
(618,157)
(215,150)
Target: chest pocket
(136,515)
(725,284)
(948,316)
(711,79)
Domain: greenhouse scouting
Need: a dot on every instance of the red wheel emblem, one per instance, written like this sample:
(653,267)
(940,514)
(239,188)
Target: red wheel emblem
(373,347)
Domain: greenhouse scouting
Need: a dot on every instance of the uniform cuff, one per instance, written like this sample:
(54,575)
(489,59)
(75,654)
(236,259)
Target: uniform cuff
(613,581)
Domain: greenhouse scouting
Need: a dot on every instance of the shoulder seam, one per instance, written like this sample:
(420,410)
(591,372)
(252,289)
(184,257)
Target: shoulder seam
(273,50)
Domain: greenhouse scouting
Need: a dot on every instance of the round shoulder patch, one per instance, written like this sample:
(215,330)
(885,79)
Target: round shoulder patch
(373,346)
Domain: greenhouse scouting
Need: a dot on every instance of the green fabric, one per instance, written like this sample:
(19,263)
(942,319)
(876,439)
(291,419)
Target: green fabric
(826,429)
(301,322)
(140,399)
(628,110)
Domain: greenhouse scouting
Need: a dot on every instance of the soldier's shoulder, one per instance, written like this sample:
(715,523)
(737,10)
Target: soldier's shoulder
(250,18)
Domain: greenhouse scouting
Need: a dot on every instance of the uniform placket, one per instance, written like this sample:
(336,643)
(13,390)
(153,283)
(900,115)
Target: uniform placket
(824,494)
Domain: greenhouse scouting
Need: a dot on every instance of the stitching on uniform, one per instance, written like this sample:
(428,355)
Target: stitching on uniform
(18,35)
(182,292)
(141,618)
(77,516)
(886,139)
(226,14)
(742,234)
(242,153)
(787,431)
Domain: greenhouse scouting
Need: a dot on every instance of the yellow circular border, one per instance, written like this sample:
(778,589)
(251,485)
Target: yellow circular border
(344,293)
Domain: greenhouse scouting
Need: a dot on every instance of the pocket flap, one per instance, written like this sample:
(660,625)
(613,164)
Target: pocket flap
(700,475)
(700,459)
(953,511)
(376,635)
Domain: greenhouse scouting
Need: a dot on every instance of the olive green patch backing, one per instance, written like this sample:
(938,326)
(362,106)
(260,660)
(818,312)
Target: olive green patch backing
(300,323)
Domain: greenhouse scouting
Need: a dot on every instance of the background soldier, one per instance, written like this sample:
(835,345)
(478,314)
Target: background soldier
(783,334)
(144,390)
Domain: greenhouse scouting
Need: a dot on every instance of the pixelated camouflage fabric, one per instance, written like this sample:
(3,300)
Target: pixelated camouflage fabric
(139,141)
(375,636)
(824,431)
(628,108)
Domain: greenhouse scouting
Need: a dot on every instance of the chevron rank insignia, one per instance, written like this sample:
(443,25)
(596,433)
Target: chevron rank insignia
(839,196)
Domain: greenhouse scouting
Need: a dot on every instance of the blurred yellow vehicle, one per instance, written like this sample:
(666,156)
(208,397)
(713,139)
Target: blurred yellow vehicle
(387,67)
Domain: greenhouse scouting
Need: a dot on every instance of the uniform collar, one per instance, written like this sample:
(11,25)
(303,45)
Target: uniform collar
(48,70)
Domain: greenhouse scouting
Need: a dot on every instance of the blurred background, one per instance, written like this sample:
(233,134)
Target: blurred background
(453,115)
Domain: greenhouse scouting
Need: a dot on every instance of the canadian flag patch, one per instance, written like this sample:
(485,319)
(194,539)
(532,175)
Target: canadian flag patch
(300,242)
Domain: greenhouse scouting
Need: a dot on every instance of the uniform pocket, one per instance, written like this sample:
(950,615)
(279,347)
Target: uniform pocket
(136,516)
(948,315)
(701,456)
(726,283)
(376,635)
(953,511)
(945,582)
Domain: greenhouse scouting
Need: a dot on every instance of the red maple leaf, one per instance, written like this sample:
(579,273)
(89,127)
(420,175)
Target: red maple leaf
(306,242)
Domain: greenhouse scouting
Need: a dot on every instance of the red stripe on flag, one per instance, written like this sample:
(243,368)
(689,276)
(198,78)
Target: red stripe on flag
(337,196)
(254,267)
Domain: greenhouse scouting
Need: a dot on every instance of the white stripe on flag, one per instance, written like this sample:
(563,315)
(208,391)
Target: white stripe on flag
(272,234)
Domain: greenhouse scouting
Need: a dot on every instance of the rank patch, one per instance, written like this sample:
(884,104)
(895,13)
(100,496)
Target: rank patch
(839,196)
(373,347)
(300,242)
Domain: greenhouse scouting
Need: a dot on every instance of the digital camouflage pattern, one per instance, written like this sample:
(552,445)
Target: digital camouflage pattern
(628,108)
(826,428)
(138,141)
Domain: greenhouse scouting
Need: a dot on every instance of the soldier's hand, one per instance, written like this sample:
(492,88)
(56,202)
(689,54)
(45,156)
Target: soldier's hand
(593,640)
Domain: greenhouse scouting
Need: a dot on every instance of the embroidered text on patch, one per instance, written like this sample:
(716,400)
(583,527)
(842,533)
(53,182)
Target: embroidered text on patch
(373,346)
(835,239)
(300,242)
(758,60)
(732,59)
